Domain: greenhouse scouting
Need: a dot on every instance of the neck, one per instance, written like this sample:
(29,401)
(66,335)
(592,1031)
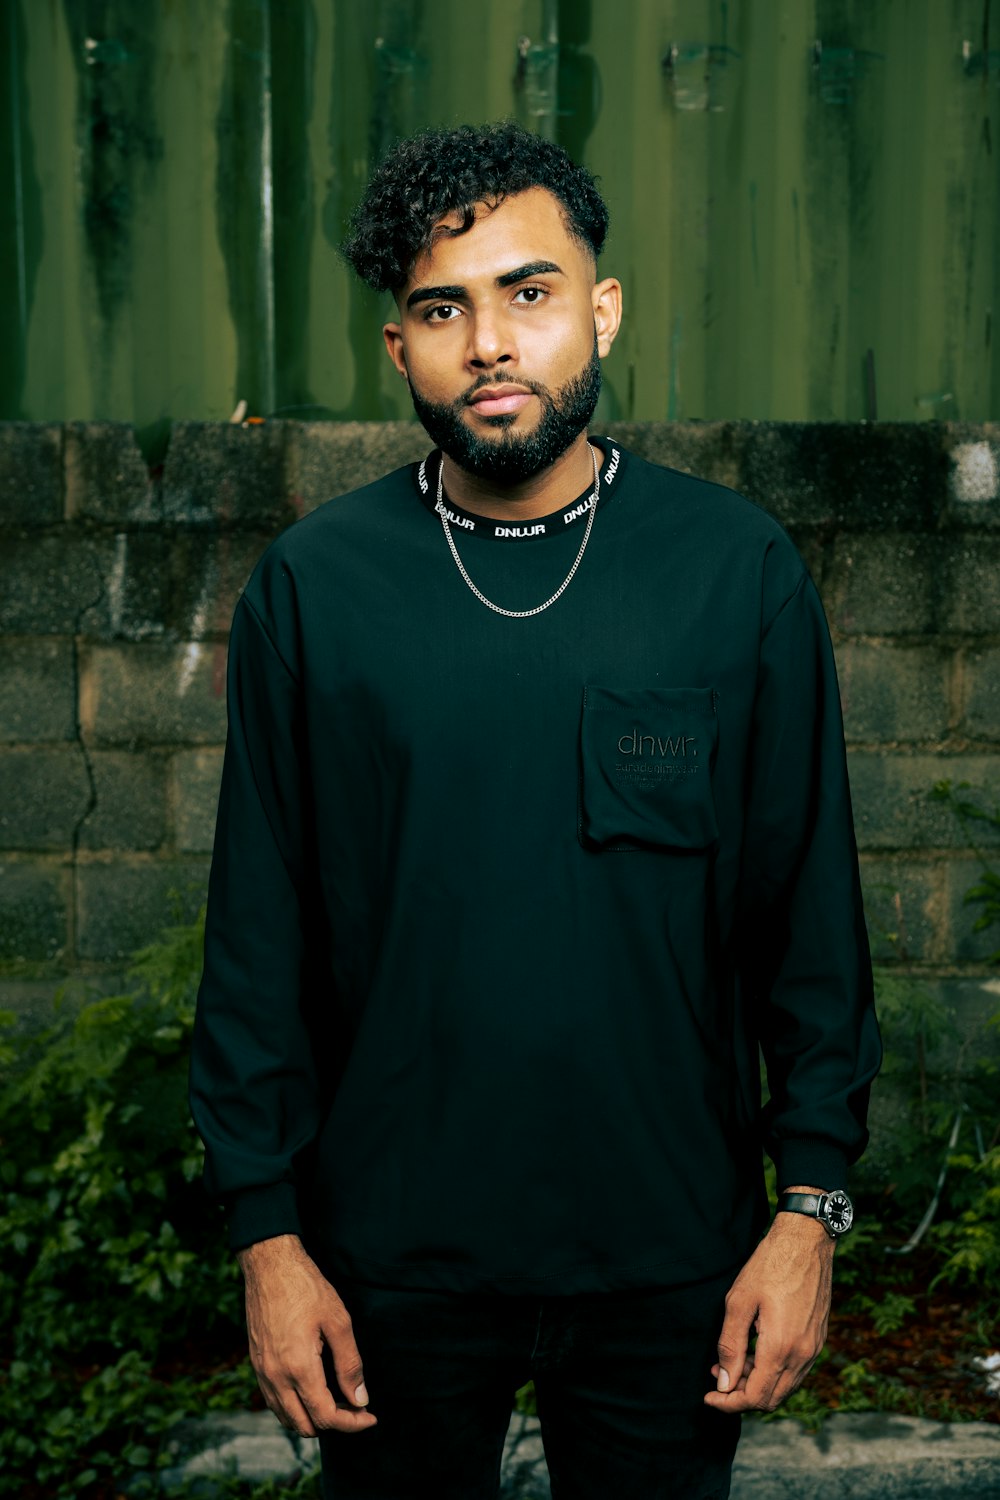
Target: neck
(561,482)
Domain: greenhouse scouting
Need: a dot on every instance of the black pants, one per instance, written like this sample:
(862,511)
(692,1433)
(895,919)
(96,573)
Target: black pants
(619,1379)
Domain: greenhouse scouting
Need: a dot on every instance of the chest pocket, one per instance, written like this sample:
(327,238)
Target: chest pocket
(646,768)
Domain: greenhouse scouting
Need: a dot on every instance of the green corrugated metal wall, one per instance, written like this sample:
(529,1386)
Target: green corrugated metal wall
(804,197)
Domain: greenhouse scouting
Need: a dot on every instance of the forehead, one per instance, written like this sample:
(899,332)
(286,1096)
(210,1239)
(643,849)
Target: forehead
(525,227)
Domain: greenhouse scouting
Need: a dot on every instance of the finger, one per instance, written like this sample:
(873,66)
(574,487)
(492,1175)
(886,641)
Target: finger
(762,1382)
(763,1393)
(321,1405)
(741,1383)
(733,1341)
(283,1401)
(735,1400)
(789,1381)
(293,1416)
(298,1394)
(338,1331)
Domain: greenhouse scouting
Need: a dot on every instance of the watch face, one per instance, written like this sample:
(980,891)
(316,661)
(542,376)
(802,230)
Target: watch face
(838,1212)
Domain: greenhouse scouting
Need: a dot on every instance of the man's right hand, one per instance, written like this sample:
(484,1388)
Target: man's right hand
(292,1311)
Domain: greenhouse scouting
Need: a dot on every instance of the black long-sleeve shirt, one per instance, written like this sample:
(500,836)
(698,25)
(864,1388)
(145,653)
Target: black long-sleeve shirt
(500,909)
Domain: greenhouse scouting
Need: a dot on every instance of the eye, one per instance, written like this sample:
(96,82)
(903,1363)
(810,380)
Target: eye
(445,309)
(531,294)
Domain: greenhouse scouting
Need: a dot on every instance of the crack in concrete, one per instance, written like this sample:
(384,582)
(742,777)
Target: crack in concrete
(87,764)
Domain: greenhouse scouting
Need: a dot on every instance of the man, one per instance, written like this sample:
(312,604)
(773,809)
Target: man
(534,823)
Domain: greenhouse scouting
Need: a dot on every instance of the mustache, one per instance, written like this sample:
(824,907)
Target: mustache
(500,379)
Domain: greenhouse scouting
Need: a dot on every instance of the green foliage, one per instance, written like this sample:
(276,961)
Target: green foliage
(228,1487)
(109,1250)
(888,1313)
(524,1400)
(859,1250)
(969,1237)
(986,891)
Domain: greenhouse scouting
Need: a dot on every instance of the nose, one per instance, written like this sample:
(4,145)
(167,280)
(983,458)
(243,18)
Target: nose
(491,341)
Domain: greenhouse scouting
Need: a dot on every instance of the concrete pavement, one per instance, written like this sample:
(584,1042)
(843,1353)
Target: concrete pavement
(854,1456)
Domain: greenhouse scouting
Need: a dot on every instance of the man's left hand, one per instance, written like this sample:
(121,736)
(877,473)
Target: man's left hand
(783,1293)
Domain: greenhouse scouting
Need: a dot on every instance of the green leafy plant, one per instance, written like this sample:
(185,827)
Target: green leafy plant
(109,1249)
(888,1313)
(969,1238)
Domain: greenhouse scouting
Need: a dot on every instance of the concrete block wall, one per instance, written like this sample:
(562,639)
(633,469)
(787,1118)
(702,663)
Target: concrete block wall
(117,587)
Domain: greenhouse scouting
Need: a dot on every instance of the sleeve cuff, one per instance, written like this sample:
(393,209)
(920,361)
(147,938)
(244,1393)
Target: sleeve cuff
(262,1212)
(819,1163)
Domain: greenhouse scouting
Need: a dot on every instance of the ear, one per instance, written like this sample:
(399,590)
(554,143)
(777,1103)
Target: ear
(607,301)
(393,335)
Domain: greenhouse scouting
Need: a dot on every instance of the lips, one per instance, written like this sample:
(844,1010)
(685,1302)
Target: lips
(499,400)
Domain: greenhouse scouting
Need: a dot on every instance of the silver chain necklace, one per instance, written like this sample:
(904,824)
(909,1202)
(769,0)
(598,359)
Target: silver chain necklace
(519,614)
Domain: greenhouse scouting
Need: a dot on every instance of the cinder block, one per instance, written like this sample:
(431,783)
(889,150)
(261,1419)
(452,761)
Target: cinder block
(974,1003)
(950,1016)
(865,476)
(106,476)
(46,580)
(196,778)
(124,903)
(813,549)
(973,452)
(968,946)
(893,804)
(130,811)
(36,1002)
(331,458)
(31,474)
(981,675)
(222,474)
(971,585)
(708,450)
(34,910)
(892,693)
(896,584)
(134,598)
(37,689)
(44,792)
(964,1008)
(79,581)
(885,585)
(905,909)
(148,694)
(207,574)
(890,1123)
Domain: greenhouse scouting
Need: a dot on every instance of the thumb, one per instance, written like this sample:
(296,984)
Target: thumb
(350,1372)
(346,1359)
(732,1346)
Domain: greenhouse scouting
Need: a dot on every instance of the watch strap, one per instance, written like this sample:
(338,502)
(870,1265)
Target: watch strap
(802,1203)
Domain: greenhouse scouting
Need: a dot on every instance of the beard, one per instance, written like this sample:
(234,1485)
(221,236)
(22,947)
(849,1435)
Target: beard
(514,457)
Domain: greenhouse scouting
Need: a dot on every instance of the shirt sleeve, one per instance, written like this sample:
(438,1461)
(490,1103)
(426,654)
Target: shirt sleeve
(805,954)
(253,1085)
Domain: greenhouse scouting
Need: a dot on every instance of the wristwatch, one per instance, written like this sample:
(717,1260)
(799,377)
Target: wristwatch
(835,1211)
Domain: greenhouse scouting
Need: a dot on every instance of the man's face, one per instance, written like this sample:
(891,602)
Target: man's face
(501,334)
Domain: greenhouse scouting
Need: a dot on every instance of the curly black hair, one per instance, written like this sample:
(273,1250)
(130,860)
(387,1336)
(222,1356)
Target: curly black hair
(443,171)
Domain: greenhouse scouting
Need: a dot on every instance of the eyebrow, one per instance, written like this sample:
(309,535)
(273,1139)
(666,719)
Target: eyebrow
(509,278)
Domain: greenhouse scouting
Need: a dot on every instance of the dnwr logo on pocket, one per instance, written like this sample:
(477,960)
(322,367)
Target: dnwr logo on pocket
(635,744)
